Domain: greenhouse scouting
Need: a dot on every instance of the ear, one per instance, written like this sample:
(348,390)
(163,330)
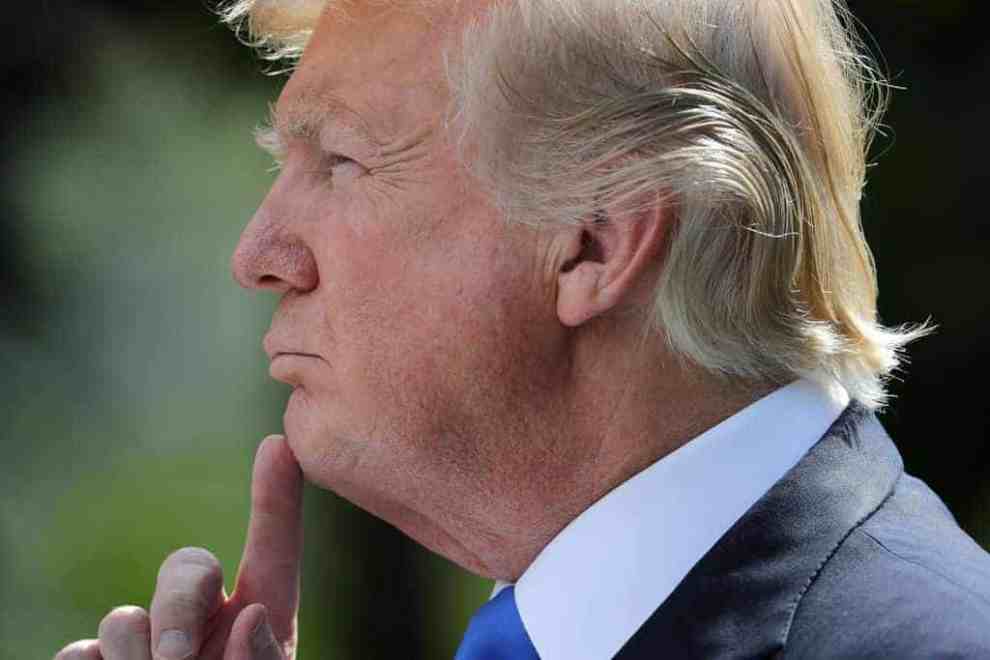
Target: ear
(605,259)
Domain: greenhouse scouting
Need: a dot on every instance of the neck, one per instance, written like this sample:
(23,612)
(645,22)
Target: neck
(623,410)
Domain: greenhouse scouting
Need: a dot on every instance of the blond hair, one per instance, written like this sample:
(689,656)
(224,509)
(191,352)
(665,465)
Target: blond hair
(279,29)
(751,118)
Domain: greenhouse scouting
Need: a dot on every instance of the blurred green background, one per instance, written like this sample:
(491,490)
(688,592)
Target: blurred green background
(134,389)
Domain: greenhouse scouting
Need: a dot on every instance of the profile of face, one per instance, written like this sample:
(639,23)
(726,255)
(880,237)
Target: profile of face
(416,327)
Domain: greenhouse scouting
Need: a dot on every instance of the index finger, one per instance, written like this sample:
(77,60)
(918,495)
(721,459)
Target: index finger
(269,570)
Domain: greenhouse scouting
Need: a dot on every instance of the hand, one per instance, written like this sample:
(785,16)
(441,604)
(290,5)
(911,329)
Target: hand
(191,617)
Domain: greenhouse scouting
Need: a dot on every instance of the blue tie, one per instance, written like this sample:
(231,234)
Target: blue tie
(496,632)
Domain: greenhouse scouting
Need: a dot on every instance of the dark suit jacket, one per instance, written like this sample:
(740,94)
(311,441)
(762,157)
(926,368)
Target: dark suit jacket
(845,557)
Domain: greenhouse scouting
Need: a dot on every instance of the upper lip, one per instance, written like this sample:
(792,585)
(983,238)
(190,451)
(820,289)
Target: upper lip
(274,347)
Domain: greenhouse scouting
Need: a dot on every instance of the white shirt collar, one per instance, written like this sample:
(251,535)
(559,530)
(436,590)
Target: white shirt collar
(593,586)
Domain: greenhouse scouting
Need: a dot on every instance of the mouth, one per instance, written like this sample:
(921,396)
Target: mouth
(276,348)
(290,367)
(279,354)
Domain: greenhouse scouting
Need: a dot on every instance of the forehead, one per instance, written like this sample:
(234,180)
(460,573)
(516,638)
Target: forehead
(380,61)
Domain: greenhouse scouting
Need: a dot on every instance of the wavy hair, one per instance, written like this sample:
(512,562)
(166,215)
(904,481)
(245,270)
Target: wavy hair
(752,119)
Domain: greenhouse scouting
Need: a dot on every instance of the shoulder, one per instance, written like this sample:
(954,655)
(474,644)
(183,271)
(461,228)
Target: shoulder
(907,582)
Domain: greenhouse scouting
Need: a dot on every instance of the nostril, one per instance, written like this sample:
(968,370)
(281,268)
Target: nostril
(269,280)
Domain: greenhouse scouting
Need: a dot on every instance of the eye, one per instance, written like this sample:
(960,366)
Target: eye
(340,168)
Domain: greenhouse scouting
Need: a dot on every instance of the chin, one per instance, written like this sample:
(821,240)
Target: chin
(326,455)
(302,435)
(363,471)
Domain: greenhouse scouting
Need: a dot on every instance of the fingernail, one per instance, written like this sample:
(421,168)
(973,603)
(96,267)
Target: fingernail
(173,645)
(263,638)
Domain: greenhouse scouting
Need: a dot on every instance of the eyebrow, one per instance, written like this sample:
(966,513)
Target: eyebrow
(307,120)
(269,141)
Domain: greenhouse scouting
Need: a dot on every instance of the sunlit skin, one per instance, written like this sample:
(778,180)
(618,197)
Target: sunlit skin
(428,322)
(439,381)
(475,383)
(434,382)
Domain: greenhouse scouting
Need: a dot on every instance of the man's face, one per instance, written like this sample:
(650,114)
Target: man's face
(417,328)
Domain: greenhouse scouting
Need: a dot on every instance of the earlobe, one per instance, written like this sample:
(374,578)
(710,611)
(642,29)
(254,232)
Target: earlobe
(578,291)
(579,276)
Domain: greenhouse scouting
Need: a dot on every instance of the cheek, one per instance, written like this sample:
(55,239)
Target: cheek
(465,337)
(426,329)
(407,335)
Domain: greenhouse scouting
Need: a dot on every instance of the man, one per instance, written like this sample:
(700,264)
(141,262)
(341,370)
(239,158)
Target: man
(575,294)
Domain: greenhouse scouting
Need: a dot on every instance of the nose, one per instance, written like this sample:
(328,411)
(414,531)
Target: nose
(270,257)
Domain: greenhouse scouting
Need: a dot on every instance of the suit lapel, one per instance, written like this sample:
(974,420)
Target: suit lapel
(739,599)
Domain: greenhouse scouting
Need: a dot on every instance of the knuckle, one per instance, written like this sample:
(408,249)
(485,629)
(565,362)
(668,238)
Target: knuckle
(125,622)
(180,603)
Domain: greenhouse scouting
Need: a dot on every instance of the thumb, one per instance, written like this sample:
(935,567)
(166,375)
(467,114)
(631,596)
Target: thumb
(269,570)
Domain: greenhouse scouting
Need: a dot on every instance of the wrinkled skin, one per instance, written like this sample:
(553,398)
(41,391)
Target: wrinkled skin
(414,327)
(475,383)
(417,328)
